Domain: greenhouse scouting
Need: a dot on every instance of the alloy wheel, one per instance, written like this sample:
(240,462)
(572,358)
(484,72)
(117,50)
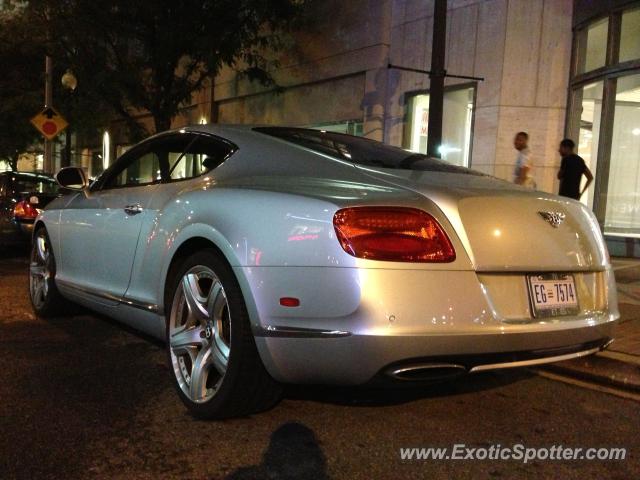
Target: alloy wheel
(39,270)
(200,334)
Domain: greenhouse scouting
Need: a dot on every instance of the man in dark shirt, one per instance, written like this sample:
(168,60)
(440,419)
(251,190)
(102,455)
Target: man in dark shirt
(571,170)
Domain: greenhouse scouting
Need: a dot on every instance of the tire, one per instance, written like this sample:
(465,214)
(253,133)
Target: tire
(211,351)
(43,293)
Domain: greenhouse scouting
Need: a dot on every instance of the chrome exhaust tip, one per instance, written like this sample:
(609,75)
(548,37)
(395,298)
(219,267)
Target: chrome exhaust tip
(426,372)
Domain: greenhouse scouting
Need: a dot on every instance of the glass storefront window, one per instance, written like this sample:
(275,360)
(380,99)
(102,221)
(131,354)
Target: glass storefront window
(630,35)
(623,199)
(457,123)
(419,108)
(594,54)
(604,117)
(588,101)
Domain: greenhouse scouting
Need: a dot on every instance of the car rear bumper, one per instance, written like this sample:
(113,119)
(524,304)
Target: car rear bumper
(362,323)
(358,359)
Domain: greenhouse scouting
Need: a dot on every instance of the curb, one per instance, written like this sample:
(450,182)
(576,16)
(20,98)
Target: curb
(605,368)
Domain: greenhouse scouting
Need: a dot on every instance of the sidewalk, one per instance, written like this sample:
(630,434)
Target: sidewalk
(619,365)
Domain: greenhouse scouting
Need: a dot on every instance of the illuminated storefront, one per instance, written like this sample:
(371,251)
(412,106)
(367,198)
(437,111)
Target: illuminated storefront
(552,68)
(604,111)
(457,124)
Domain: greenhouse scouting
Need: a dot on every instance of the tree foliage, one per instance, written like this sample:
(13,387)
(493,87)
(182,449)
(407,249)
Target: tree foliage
(152,55)
(23,47)
(21,83)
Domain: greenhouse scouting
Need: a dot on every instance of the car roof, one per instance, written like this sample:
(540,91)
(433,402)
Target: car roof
(245,133)
(243,136)
(219,128)
(30,175)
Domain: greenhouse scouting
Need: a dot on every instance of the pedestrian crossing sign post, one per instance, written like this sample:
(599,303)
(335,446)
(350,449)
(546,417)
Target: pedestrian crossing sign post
(49,123)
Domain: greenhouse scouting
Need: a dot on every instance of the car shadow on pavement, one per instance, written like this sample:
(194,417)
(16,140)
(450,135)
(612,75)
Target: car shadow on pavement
(350,396)
(78,381)
(96,325)
(15,253)
(293,452)
(396,395)
(90,378)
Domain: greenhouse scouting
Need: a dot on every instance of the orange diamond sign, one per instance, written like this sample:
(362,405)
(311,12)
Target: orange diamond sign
(49,123)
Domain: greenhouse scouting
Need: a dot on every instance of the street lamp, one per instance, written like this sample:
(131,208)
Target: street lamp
(70,82)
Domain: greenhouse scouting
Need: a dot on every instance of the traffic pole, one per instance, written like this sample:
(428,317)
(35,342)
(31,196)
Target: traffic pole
(437,76)
(48,100)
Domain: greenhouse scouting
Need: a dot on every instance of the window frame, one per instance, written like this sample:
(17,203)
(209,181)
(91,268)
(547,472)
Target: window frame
(408,123)
(233,148)
(123,162)
(608,74)
(101,184)
(612,64)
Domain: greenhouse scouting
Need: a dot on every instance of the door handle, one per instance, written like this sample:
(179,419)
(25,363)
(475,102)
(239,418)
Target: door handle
(133,209)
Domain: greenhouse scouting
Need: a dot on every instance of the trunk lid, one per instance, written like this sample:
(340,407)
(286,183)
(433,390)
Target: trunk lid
(39,200)
(36,199)
(502,226)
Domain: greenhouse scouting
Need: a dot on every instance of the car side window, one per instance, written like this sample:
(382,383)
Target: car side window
(149,163)
(143,170)
(201,156)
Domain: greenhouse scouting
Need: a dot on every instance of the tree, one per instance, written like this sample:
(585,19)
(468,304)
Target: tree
(23,47)
(21,84)
(152,55)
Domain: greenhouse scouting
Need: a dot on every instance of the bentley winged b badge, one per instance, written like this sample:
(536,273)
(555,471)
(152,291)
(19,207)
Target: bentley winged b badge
(554,218)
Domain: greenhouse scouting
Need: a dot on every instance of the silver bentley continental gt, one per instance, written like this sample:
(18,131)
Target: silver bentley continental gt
(272,255)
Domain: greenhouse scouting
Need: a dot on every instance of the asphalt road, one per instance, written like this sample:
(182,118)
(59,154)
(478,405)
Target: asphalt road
(84,397)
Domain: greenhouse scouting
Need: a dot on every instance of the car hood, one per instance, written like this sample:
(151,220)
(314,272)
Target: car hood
(503,226)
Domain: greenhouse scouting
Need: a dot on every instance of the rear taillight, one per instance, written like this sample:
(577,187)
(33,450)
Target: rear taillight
(396,234)
(24,211)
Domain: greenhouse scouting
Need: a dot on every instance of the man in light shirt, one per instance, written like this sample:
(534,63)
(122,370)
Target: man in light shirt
(522,173)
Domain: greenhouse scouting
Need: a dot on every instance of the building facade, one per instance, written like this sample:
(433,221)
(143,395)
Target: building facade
(552,68)
(604,113)
(339,78)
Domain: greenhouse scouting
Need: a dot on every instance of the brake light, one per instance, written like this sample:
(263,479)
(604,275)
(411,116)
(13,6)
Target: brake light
(396,234)
(25,211)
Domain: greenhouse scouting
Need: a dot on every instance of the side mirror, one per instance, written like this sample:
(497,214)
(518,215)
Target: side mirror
(72,178)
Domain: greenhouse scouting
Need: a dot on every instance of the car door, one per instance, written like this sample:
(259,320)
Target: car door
(100,229)
(203,154)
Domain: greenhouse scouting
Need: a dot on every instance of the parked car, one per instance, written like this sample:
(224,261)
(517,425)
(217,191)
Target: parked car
(22,196)
(273,255)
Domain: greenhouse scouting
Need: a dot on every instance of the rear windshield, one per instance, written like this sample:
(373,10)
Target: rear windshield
(362,151)
(33,184)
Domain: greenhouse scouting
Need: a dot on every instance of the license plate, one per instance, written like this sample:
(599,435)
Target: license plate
(553,294)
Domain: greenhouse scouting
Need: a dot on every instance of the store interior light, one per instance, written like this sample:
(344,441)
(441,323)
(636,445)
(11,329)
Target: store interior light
(446,149)
(106,150)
